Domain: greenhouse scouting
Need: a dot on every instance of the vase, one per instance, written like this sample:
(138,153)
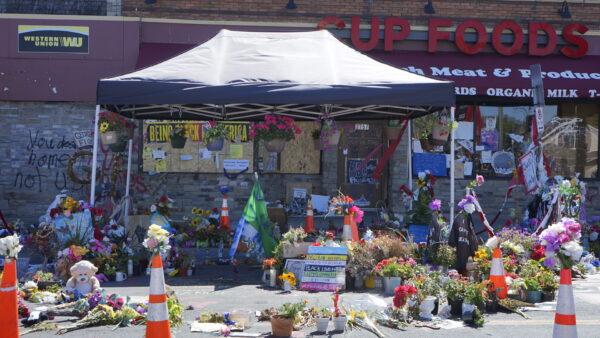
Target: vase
(548,296)
(269,278)
(359,282)
(275,145)
(216,144)
(109,137)
(389,284)
(178,142)
(287,287)
(339,323)
(370,282)
(281,326)
(455,307)
(534,296)
(426,308)
(322,324)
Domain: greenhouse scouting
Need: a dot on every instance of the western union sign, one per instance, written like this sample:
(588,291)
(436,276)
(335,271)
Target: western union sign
(54,39)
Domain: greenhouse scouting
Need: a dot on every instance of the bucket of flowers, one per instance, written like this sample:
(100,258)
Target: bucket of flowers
(214,136)
(276,131)
(394,271)
(115,130)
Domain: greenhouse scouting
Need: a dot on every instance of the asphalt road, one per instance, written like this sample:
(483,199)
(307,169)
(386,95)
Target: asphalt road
(217,289)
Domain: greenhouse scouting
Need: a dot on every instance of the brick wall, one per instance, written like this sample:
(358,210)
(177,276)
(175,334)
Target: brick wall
(311,11)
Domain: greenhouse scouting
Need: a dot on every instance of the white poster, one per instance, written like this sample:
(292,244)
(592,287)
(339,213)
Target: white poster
(464,131)
(528,164)
(235,164)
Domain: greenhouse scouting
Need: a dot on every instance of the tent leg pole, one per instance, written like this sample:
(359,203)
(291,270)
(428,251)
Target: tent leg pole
(409,159)
(94,157)
(452,155)
(128,183)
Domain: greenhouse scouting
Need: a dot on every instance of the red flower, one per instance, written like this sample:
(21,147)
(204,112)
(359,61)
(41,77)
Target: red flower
(54,212)
(163,199)
(538,253)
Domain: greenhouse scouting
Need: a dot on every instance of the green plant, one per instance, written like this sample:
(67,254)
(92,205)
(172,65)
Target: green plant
(478,319)
(215,131)
(178,132)
(324,312)
(275,127)
(428,285)
(423,126)
(532,284)
(445,255)
(547,281)
(475,293)
(455,289)
(530,269)
(291,310)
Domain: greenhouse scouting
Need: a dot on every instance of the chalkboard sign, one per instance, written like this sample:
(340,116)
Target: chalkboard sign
(435,163)
(418,233)
(324,268)
(358,172)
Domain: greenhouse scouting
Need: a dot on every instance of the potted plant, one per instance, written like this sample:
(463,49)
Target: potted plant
(282,324)
(178,137)
(339,319)
(323,318)
(115,130)
(45,280)
(423,127)
(455,292)
(534,290)
(392,129)
(276,131)
(214,136)
(444,257)
(360,262)
(393,271)
(549,285)
(429,289)
(476,294)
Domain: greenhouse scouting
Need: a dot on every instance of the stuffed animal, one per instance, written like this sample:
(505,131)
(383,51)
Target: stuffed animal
(83,278)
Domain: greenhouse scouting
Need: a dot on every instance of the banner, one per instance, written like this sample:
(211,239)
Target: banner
(54,39)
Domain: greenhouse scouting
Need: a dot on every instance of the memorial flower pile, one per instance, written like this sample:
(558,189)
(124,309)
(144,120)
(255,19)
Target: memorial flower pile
(561,242)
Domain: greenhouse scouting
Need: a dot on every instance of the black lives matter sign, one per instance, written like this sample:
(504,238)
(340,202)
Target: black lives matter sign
(54,39)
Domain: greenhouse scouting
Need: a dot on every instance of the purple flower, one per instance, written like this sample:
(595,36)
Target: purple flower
(435,205)
(468,199)
(549,262)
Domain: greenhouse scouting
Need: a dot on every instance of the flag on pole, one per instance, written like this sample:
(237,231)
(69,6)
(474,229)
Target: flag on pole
(255,226)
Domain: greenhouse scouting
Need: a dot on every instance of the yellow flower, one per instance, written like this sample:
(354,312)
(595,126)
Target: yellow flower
(78,251)
(104,127)
(157,232)
(195,211)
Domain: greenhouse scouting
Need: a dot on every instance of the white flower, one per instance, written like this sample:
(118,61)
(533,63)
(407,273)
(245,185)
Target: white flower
(557,228)
(573,250)
(492,242)
(422,175)
(469,208)
(153,208)
(566,184)
(9,246)
(30,285)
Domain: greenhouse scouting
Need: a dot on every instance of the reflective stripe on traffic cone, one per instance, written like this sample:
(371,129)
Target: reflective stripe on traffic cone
(497,274)
(9,316)
(309,226)
(564,320)
(225,215)
(347,230)
(157,320)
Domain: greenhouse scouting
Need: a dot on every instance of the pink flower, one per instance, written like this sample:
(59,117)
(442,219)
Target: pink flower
(479,180)
(563,237)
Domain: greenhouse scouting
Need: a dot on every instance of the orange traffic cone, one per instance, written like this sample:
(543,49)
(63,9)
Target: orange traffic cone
(354,227)
(225,214)
(157,323)
(9,316)
(564,320)
(347,230)
(309,225)
(497,274)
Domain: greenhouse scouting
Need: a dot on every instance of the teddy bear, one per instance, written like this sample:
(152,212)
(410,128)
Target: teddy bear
(83,278)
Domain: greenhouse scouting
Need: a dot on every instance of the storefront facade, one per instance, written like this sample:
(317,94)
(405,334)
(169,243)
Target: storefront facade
(486,56)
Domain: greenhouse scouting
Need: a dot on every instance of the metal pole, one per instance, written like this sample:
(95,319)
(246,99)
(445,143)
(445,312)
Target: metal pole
(94,157)
(409,158)
(128,183)
(452,166)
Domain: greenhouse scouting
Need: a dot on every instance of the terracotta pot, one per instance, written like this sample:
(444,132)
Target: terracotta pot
(281,326)
(109,137)
(216,144)
(276,145)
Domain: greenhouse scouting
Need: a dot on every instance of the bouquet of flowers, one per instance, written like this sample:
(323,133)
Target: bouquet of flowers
(163,206)
(9,246)
(114,122)
(288,277)
(561,240)
(275,127)
(157,240)
(69,206)
(269,263)
(344,205)
(402,293)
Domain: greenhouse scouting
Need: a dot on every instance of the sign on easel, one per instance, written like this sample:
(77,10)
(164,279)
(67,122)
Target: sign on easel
(324,268)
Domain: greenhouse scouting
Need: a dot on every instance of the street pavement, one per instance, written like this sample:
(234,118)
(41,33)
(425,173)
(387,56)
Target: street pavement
(219,289)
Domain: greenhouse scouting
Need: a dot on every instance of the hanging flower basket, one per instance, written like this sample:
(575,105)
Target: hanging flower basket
(275,145)
(440,132)
(109,137)
(215,144)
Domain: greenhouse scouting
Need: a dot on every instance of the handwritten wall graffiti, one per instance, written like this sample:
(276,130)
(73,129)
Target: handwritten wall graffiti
(45,163)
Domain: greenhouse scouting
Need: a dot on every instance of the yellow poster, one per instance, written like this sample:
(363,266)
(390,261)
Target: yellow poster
(161,166)
(236,151)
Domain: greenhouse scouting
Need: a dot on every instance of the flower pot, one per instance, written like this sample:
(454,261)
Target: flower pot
(281,326)
(275,145)
(378,283)
(437,307)
(339,323)
(426,308)
(534,296)
(389,284)
(491,306)
(467,311)
(359,282)
(392,133)
(547,296)
(370,282)
(109,137)
(178,142)
(455,307)
(216,144)
(322,324)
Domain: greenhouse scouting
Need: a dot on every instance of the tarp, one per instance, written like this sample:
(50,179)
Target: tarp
(309,68)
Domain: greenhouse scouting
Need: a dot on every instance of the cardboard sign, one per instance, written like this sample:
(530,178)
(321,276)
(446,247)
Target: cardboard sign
(435,163)
(324,268)
(84,138)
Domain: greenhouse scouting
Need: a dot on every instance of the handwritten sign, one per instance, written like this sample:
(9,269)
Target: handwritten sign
(528,164)
(418,233)
(435,163)
(359,173)
(84,138)
(324,268)
(235,164)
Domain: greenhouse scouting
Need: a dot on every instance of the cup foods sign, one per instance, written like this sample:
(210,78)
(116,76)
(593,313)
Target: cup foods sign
(54,39)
